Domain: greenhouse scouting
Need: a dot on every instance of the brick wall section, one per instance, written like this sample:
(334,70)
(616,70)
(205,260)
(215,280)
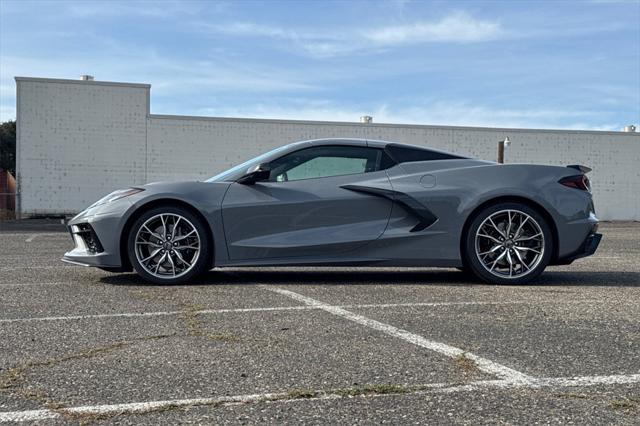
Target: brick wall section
(80,140)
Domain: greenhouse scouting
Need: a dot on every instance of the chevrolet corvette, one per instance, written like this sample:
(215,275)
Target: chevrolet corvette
(346,202)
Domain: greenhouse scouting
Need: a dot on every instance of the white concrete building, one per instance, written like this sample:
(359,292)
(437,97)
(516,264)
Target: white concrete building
(78,140)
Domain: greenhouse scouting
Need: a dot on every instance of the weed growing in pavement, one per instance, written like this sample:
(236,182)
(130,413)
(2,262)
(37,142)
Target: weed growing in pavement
(465,363)
(194,326)
(14,381)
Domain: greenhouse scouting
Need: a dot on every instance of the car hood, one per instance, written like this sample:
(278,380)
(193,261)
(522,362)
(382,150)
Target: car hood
(193,192)
(185,185)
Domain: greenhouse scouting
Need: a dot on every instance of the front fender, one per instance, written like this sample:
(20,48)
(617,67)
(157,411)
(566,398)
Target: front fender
(204,197)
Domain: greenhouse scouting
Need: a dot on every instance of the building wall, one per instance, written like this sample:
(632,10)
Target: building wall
(79,140)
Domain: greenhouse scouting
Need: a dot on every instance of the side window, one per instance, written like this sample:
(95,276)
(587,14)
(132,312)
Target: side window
(407,154)
(325,161)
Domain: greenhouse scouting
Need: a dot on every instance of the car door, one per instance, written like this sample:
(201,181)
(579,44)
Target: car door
(302,210)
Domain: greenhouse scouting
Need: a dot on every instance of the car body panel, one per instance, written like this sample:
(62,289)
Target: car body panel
(366,218)
(460,186)
(109,221)
(312,217)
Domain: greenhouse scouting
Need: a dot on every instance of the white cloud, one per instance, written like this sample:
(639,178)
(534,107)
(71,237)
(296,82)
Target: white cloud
(434,113)
(249,29)
(446,115)
(458,27)
(437,113)
(455,27)
(167,76)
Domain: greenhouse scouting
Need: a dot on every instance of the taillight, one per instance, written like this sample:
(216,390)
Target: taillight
(577,181)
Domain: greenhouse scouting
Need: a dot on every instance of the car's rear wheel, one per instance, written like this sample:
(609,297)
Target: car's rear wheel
(168,245)
(508,243)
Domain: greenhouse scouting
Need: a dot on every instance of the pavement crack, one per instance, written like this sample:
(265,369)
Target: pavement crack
(90,413)
(15,382)
(87,415)
(626,404)
(195,327)
(189,314)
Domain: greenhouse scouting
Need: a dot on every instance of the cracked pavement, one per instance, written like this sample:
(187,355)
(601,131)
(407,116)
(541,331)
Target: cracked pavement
(79,345)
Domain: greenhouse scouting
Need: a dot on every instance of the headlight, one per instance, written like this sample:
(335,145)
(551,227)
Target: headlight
(116,195)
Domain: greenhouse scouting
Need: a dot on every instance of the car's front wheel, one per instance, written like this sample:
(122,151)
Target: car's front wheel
(168,245)
(508,243)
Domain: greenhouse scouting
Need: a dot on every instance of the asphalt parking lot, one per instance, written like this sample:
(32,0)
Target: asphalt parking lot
(317,345)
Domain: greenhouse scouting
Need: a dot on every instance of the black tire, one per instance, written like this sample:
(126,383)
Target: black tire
(472,259)
(198,267)
(466,273)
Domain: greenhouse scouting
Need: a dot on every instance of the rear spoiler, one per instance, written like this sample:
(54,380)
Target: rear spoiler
(583,169)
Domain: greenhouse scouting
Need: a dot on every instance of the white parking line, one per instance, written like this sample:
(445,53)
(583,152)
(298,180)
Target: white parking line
(239,310)
(45,234)
(146,314)
(619,379)
(482,364)
(31,256)
(22,234)
(145,407)
(45,284)
(61,266)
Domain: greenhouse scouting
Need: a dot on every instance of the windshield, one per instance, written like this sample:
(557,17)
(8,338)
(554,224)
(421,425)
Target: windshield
(244,166)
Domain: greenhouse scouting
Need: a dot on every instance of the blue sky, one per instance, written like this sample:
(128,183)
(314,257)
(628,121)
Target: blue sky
(547,64)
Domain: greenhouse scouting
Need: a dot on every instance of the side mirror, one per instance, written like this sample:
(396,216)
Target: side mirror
(255,174)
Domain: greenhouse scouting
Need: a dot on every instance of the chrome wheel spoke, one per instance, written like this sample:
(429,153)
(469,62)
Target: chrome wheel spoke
(498,230)
(151,256)
(148,243)
(159,262)
(509,225)
(495,262)
(152,233)
(175,227)
(493,250)
(522,262)
(192,247)
(510,260)
(509,243)
(181,259)
(173,265)
(532,237)
(164,226)
(517,233)
(184,236)
(527,249)
(167,245)
(495,240)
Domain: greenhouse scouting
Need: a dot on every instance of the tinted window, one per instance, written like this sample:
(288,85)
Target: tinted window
(325,161)
(242,168)
(406,154)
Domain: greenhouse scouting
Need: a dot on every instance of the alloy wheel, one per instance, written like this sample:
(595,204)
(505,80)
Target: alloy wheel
(509,244)
(167,245)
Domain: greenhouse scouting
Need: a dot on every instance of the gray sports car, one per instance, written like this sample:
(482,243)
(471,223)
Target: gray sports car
(346,202)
